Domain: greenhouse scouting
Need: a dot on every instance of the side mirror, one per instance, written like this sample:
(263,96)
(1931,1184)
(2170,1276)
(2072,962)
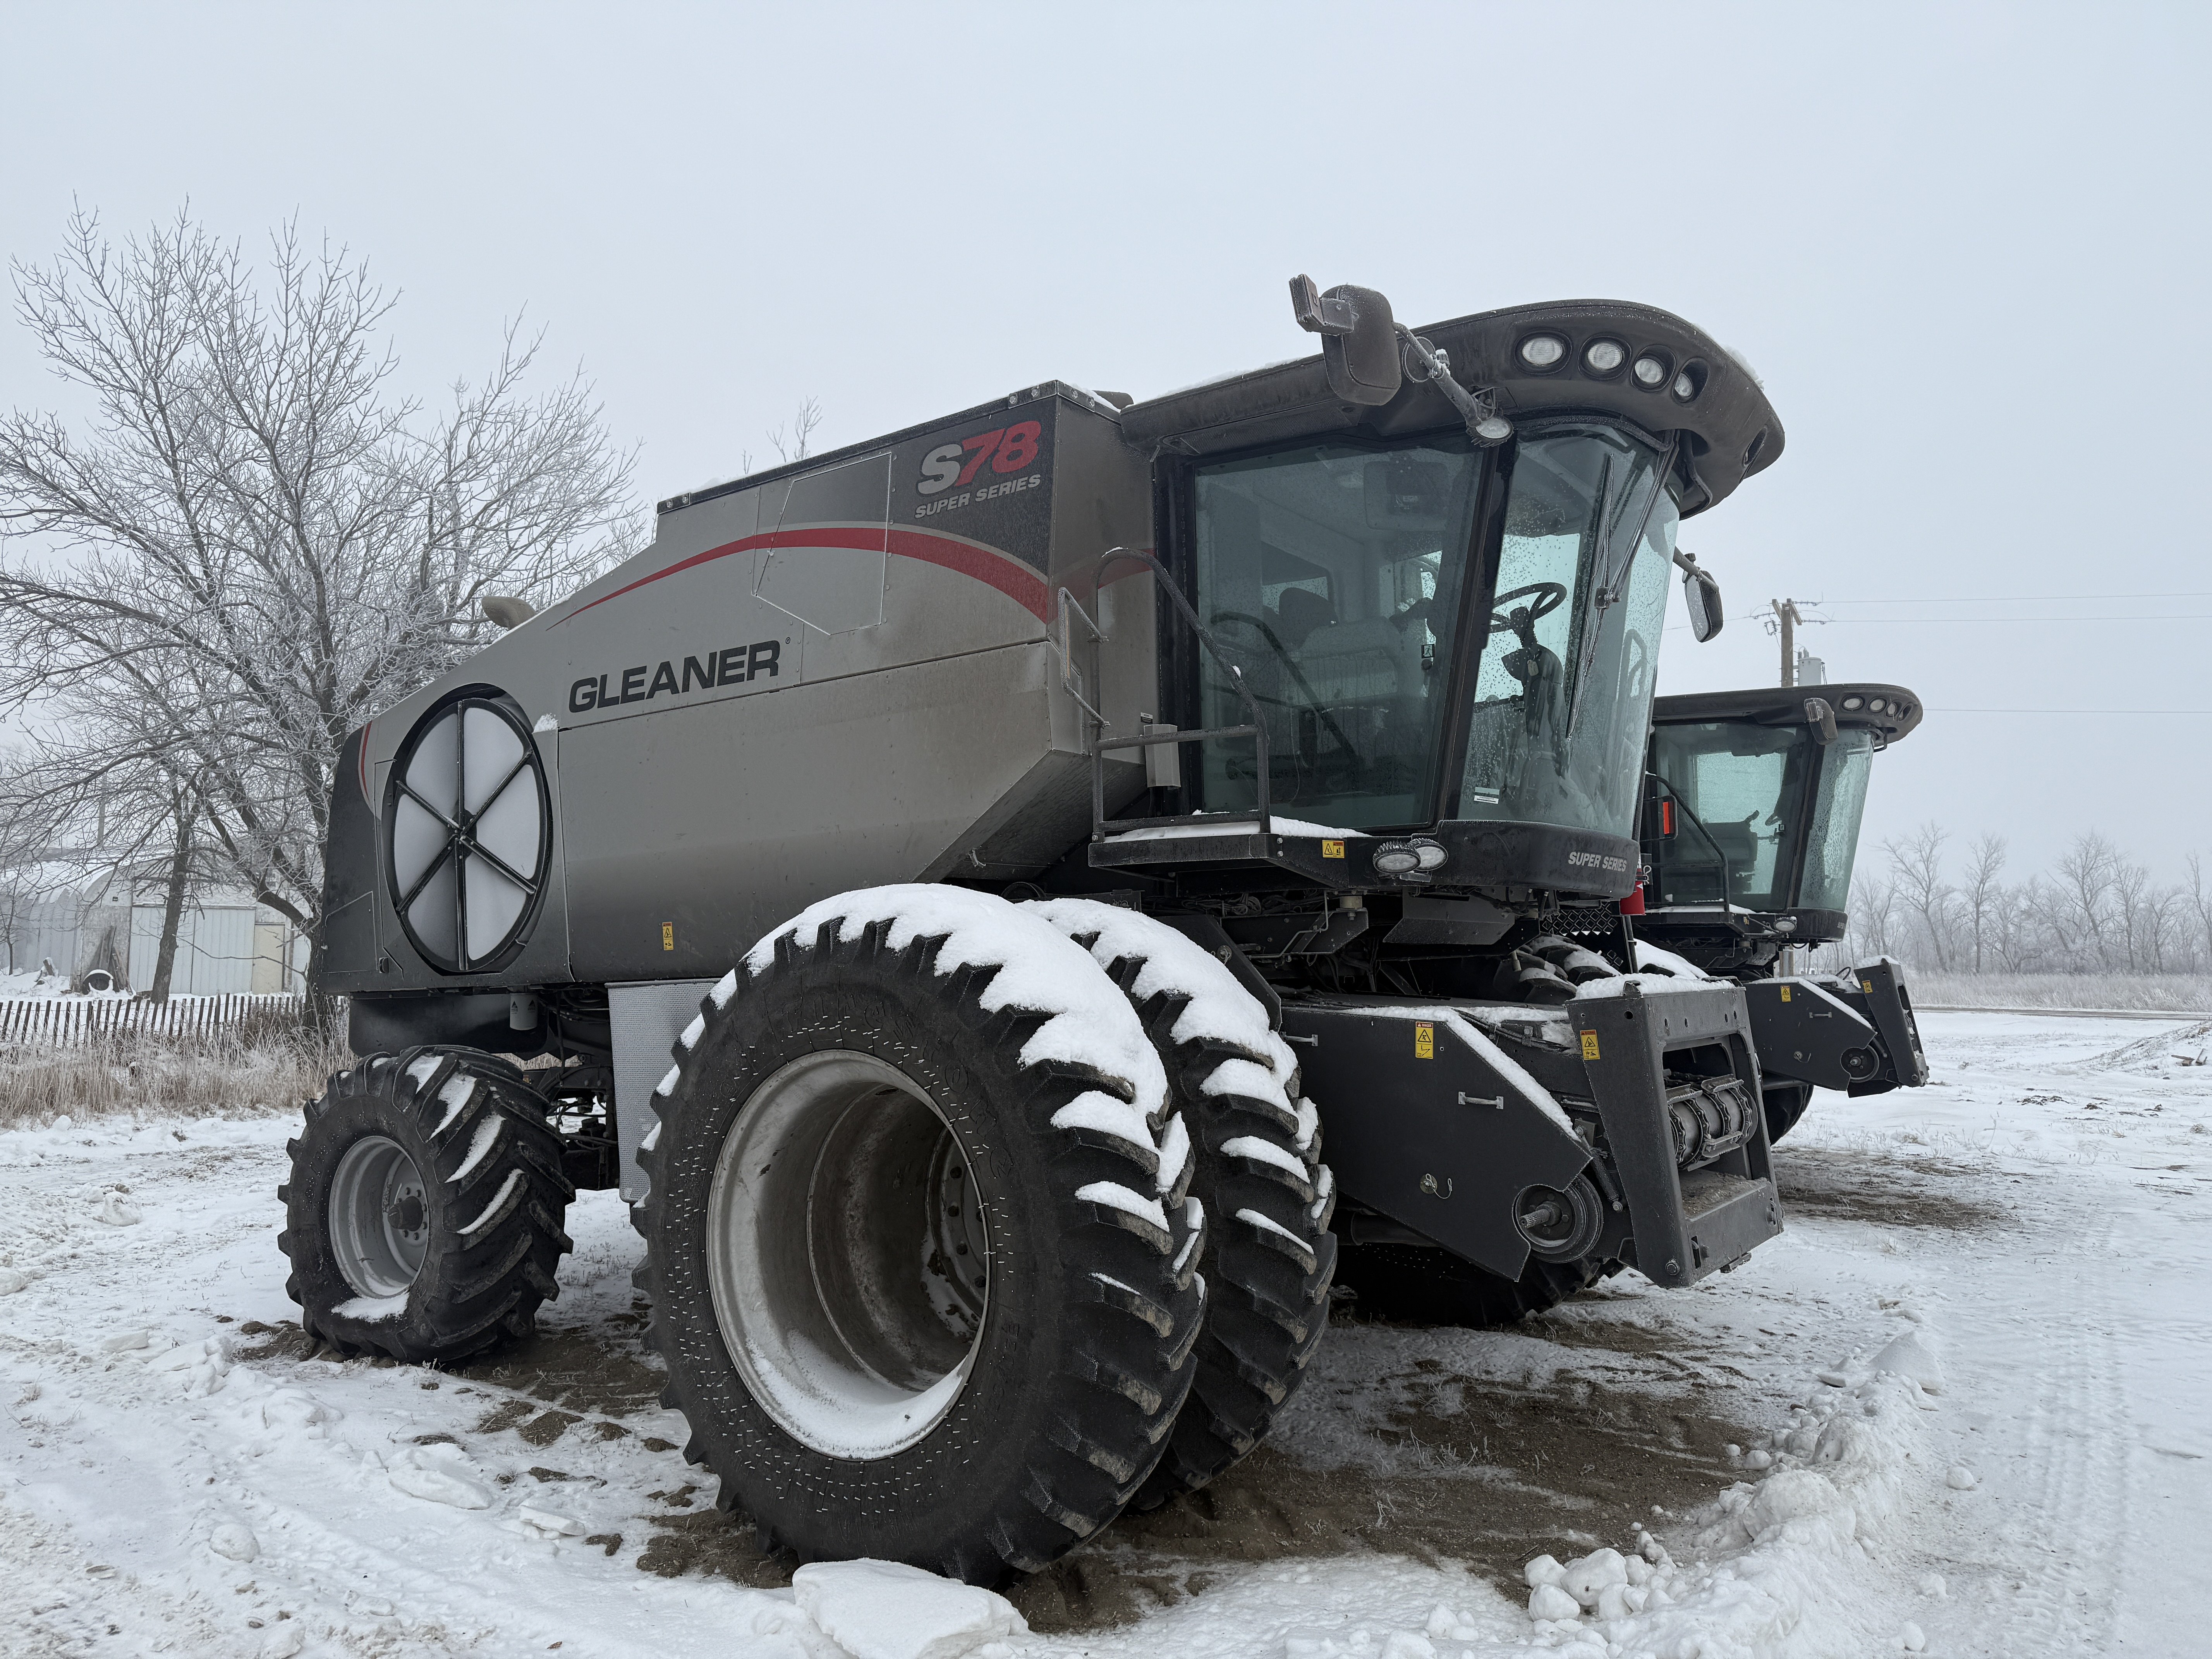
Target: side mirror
(1701,593)
(1821,718)
(1358,339)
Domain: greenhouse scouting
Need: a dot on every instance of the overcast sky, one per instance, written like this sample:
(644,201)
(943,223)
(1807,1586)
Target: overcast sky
(1965,247)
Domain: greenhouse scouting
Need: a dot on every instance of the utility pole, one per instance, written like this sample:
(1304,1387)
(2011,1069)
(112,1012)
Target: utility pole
(1786,621)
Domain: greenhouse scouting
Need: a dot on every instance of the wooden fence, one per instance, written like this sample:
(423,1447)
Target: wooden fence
(68,1022)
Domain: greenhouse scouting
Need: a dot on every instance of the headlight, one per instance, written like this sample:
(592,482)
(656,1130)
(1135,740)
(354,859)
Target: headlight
(1649,371)
(1603,357)
(1685,385)
(1542,350)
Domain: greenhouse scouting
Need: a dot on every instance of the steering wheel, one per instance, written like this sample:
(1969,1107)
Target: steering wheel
(1547,597)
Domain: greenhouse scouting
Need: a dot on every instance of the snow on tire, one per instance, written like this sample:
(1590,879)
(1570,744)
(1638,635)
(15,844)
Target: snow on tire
(1265,1196)
(916,1236)
(423,1217)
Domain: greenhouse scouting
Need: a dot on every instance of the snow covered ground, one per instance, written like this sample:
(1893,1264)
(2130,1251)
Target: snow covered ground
(1758,1466)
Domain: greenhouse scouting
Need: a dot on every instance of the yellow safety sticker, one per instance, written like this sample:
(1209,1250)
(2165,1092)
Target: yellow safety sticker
(1785,994)
(1590,1045)
(1866,985)
(1424,1040)
(668,936)
(1332,849)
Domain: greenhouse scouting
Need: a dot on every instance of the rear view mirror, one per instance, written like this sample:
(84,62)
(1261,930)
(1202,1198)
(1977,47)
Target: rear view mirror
(1821,718)
(1358,339)
(1701,594)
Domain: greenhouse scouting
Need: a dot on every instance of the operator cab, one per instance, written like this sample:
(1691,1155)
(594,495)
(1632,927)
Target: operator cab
(1431,569)
(1346,581)
(1751,810)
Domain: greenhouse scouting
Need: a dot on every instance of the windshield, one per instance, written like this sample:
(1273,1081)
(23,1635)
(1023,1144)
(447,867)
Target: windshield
(1731,798)
(1845,765)
(1330,575)
(1563,692)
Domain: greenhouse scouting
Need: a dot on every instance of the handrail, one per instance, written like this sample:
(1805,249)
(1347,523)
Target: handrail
(1256,729)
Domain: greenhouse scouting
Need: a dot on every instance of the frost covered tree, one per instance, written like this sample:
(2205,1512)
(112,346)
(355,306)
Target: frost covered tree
(1915,864)
(252,540)
(1983,895)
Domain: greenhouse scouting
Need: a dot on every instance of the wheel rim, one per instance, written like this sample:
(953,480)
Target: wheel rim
(379,1224)
(847,1255)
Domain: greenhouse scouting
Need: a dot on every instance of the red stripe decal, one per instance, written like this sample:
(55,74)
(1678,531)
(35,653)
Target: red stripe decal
(1017,581)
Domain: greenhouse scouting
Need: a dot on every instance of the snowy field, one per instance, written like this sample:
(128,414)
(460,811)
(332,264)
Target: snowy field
(1962,1407)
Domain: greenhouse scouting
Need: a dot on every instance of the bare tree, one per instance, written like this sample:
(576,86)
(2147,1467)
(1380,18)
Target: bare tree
(2134,900)
(2087,874)
(1984,892)
(1917,876)
(1873,918)
(2200,903)
(801,441)
(255,546)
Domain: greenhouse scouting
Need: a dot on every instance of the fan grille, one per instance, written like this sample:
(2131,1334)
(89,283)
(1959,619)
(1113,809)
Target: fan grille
(470,835)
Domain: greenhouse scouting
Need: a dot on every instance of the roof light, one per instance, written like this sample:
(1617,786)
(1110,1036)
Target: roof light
(1603,357)
(1649,371)
(1542,350)
(1876,706)
(1685,385)
(1854,702)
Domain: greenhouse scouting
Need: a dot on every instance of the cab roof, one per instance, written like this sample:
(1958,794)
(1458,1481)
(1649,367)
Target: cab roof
(1891,711)
(1731,431)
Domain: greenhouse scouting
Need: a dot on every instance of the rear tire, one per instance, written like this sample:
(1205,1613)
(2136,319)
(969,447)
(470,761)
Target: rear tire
(1414,1285)
(423,1217)
(824,1108)
(1261,1192)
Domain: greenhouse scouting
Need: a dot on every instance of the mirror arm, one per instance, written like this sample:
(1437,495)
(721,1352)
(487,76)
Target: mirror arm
(1319,315)
(1478,408)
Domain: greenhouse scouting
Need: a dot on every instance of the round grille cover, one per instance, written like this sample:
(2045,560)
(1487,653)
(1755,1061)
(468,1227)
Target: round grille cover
(469,834)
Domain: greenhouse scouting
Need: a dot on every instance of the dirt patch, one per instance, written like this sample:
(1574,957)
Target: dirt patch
(1884,1192)
(1470,1469)
(707,1541)
(581,1370)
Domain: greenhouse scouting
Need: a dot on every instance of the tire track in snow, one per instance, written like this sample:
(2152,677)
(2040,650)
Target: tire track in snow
(2075,1441)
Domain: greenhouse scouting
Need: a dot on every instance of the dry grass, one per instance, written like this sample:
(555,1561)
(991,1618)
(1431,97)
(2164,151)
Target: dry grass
(2181,992)
(254,1066)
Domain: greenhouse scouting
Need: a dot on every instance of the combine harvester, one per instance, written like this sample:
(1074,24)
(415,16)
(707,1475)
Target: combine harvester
(953,887)
(1751,824)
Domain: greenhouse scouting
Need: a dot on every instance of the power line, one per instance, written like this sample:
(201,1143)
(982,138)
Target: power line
(1880,621)
(2013,599)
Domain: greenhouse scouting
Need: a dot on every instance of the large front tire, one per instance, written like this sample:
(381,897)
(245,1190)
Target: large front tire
(1266,1198)
(866,1374)
(423,1217)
